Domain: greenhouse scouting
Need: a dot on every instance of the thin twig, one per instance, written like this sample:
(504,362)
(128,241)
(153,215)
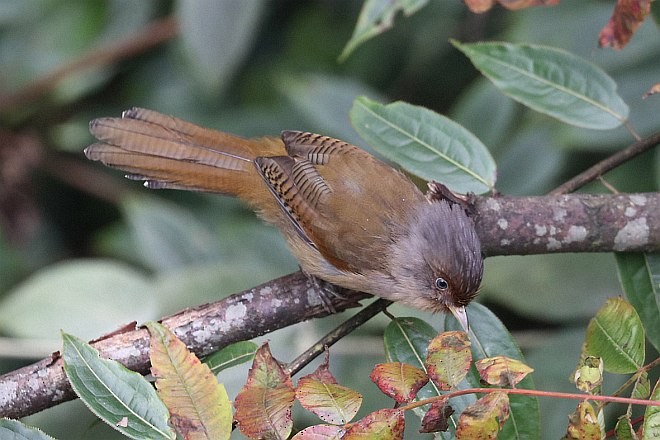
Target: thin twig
(606,165)
(335,335)
(152,35)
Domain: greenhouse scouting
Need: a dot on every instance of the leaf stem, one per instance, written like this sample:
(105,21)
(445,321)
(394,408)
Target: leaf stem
(632,130)
(533,393)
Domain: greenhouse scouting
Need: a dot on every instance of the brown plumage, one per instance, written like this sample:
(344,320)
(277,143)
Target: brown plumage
(349,218)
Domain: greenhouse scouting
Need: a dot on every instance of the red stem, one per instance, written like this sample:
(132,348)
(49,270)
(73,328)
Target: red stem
(537,393)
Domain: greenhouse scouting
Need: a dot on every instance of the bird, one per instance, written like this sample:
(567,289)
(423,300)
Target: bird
(350,219)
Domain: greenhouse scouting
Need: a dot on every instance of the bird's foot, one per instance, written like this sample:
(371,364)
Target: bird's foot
(327,292)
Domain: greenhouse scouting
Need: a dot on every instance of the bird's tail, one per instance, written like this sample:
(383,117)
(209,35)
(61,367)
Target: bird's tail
(167,152)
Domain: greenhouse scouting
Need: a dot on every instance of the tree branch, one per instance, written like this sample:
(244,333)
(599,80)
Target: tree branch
(506,226)
(569,223)
(606,165)
(205,329)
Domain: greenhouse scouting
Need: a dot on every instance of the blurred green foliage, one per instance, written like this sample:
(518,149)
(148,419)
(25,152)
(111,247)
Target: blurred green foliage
(83,250)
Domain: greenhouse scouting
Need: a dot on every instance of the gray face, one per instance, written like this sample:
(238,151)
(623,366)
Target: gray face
(437,262)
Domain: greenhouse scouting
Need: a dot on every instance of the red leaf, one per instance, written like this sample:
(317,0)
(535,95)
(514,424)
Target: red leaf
(626,18)
(448,359)
(263,407)
(384,424)
(484,418)
(399,381)
(437,417)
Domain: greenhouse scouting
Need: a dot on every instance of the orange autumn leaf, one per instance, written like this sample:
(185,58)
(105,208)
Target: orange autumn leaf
(502,371)
(626,18)
(448,359)
(199,406)
(263,406)
(479,6)
(484,418)
(399,380)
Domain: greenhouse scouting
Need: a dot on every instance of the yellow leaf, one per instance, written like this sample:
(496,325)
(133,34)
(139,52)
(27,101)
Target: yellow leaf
(484,418)
(583,423)
(502,371)
(448,359)
(198,404)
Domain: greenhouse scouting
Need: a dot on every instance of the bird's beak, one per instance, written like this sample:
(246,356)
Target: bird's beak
(460,315)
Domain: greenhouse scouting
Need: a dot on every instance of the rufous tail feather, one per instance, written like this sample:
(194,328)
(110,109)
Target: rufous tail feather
(168,152)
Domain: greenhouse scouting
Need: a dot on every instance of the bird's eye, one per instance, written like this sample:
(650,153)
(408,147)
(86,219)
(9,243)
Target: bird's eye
(441,283)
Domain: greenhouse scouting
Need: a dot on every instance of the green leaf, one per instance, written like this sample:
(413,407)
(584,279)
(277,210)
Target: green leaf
(121,398)
(406,340)
(426,144)
(376,17)
(217,34)
(642,387)
(89,297)
(640,278)
(15,430)
(475,105)
(199,405)
(490,338)
(624,429)
(231,355)
(168,236)
(551,81)
(652,417)
(616,335)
